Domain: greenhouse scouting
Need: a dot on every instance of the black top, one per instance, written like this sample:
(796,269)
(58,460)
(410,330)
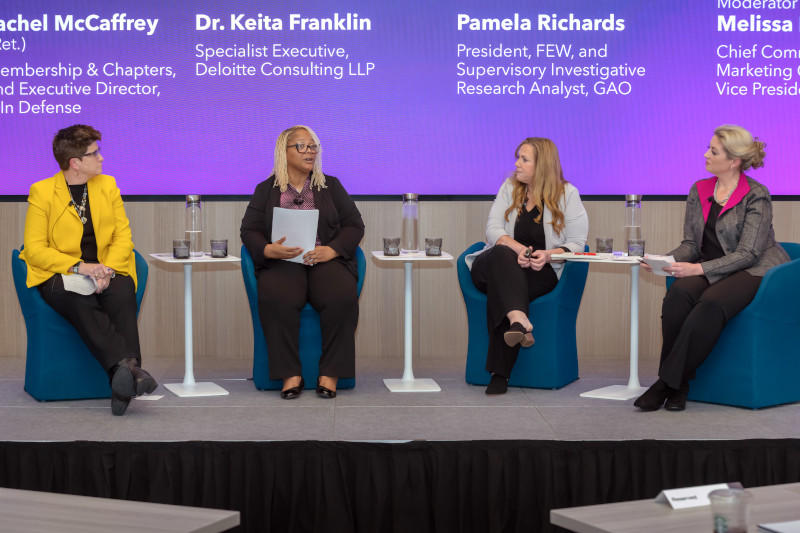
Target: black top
(711,248)
(527,231)
(88,240)
(339,226)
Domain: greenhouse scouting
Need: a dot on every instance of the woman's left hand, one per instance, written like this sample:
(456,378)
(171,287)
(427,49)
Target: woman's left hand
(539,259)
(320,254)
(101,284)
(683,270)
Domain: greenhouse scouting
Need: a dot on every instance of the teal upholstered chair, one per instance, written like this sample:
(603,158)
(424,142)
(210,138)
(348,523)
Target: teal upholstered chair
(310,332)
(756,361)
(552,362)
(58,365)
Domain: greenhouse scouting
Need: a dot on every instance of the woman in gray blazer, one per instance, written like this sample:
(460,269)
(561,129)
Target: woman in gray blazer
(536,213)
(728,245)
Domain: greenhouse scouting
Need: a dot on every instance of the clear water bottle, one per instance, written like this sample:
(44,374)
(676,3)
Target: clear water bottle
(194,224)
(633,217)
(409,241)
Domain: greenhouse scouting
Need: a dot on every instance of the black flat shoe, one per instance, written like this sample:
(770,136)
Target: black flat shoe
(676,400)
(497,385)
(653,398)
(517,334)
(325,392)
(293,392)
(123,389)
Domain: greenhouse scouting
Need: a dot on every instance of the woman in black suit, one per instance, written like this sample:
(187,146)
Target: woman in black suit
(328,276)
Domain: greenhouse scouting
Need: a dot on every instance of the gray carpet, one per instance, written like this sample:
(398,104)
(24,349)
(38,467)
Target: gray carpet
(371,413)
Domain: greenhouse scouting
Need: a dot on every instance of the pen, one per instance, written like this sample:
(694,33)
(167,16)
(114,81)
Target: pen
(585,253)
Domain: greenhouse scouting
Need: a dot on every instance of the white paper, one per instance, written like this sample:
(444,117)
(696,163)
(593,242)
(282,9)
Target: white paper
(79,283)
(688,497)
(149,397)
(781,527)
(299,226)
(658,262)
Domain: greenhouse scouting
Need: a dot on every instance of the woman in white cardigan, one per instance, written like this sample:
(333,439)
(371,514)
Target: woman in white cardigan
(536,213)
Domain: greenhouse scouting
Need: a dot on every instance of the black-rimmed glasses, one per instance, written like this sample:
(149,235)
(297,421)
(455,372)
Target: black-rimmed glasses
(303,147)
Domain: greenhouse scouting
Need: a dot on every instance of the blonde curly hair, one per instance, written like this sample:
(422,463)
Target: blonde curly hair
(280,166)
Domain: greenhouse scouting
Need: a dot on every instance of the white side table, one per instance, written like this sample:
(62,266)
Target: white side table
(189,387)
(408,383)
(633,389)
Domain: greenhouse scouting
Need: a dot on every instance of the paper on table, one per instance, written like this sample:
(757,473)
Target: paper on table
(299,226)
(658,262)
(79,283)
(781,527)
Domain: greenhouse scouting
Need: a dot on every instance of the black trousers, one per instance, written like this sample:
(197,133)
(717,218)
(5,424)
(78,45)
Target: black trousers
(693,315)
(508,287)
(106,322)
(283,290)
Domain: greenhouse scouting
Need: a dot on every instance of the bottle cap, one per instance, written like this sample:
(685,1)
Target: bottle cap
(633,199)
(410,196)
(192,198)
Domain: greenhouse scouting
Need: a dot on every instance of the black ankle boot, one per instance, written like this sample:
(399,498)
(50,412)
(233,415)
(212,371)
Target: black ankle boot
(497,385)
(653,398)
(143,381)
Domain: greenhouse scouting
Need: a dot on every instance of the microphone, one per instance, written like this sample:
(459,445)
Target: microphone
(298,200)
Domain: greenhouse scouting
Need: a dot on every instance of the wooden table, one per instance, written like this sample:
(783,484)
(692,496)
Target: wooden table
(774,503)
(27,511)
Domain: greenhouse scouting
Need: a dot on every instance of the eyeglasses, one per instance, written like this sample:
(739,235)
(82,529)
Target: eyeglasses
(303,147)
(91,154)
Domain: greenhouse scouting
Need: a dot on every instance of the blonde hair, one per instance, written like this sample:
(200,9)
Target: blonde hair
(280,167)
(738,143)
(547,185)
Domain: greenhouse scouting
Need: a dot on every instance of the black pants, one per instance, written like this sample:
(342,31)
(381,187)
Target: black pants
(283,290)
(106,322)
(508,287)
(693,316)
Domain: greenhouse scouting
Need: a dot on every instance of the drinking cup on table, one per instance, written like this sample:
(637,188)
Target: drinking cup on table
(391,246)
(180,249)
(636,247)
(219,248)
(730,510)
(605,245)
(433,246)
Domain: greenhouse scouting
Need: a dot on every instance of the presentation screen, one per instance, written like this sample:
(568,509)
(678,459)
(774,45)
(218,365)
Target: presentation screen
(421,96)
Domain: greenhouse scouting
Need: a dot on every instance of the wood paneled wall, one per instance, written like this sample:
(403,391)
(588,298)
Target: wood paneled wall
(222,320)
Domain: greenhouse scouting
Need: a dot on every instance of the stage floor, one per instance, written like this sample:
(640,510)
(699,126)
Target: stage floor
(371,413)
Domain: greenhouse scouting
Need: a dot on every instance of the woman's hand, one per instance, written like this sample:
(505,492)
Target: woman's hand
(682,270)
(539,259)
(523,258)
(645,266)
(96,271)
(320,254)
(276,250)
(101,284)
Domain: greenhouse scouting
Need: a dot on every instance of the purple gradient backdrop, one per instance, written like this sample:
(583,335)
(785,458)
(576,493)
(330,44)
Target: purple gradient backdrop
(403,128)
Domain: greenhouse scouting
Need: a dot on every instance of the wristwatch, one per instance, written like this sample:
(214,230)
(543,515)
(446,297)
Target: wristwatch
(74,268)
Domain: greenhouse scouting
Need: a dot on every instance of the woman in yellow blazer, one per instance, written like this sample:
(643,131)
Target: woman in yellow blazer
(79,253)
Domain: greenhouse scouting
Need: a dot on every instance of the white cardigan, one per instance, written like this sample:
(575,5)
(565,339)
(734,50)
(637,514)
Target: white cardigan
(572,237)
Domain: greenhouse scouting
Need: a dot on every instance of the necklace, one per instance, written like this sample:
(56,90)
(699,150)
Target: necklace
(725,200)
(80,209)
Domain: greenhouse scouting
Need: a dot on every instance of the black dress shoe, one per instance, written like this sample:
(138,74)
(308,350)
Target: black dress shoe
(653,398)
(497,385)
(676,400)
(325,392)
(123,389)
(517,334)
(143,381)
(293,392)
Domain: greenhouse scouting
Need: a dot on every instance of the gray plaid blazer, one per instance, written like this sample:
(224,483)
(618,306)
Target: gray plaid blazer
(744,230)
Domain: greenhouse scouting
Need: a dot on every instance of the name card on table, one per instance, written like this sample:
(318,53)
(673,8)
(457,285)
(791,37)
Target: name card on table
(691,496)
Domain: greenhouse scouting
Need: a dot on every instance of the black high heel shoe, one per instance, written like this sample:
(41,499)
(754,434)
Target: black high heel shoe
(293,392)
(517,334)
(676,399)
(325,392)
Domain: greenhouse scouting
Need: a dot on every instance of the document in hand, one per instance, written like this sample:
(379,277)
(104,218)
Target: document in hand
(299,226)
(658,262)
(79,283)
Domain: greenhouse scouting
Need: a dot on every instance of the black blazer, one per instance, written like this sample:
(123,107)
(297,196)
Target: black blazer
(340,225)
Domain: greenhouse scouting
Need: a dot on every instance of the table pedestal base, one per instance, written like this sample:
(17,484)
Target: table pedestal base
(412,385)
(205,388)
(615,392)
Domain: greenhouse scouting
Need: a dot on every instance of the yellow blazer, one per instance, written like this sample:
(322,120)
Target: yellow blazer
(53,230)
